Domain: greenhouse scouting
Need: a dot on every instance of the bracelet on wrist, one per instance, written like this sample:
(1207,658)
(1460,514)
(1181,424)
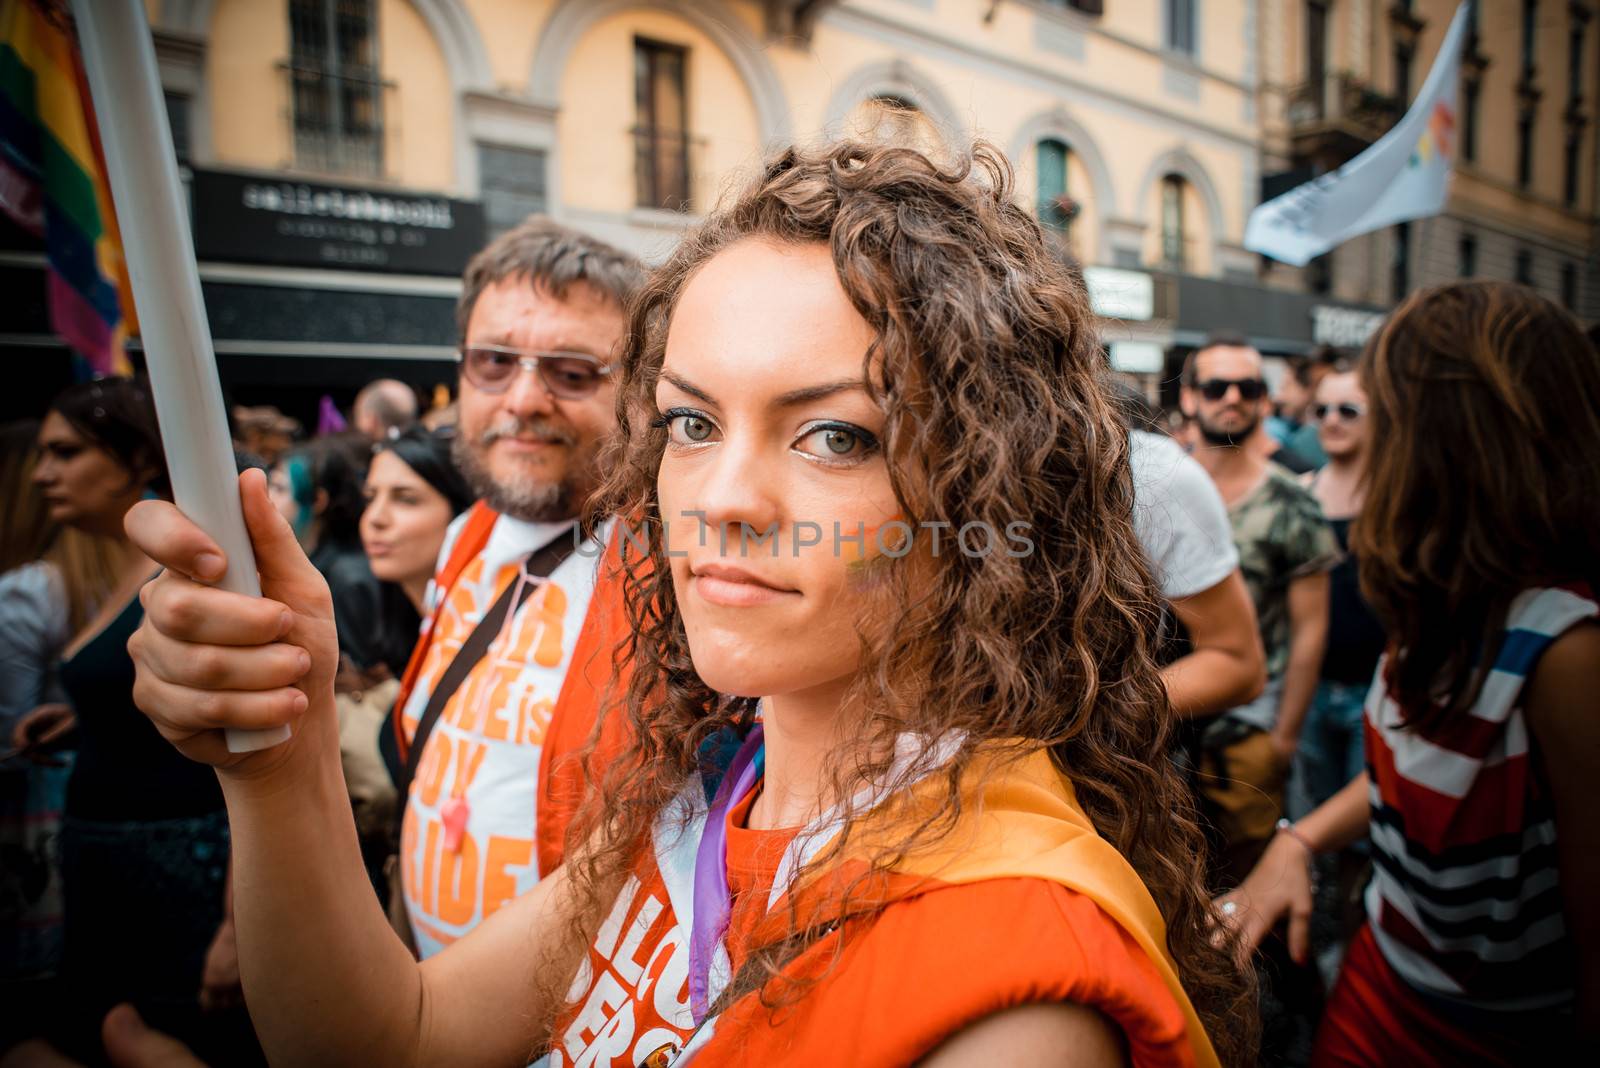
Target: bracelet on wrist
(1287,827)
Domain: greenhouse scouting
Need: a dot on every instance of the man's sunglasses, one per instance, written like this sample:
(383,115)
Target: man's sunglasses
(1214,389)
(567,375)
(1348,412)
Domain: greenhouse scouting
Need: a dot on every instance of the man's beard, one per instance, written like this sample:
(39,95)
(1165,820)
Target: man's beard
(524,495)
(1233,438)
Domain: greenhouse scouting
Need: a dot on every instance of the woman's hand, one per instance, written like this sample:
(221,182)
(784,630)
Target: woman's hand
(131,1044)
(208,659)
(34,732)
(219,980)
(354,680)
(1279,884)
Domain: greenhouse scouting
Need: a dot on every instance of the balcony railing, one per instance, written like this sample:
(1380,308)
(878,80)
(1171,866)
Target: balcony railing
(1342,98)
(1179,255)
(336,121)
(669,169)
(1342,113)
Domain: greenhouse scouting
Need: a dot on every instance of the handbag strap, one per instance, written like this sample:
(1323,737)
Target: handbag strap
(541,564)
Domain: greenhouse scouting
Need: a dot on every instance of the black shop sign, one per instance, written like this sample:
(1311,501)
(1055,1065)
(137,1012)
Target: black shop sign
(243,218)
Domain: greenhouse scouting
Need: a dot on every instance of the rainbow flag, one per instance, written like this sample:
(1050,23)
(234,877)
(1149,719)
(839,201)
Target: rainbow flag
(52,181)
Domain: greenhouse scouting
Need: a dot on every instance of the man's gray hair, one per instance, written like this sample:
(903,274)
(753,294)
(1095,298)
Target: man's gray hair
(552,257)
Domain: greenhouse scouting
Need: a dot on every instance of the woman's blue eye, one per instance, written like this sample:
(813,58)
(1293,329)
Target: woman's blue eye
(686,427)
(836,442)
(839,442)
(693,427)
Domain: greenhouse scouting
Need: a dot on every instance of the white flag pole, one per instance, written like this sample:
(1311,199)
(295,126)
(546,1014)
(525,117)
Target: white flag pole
(142,169)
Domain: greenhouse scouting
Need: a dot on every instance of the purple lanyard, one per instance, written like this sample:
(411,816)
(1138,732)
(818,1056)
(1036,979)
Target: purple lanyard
(713,901)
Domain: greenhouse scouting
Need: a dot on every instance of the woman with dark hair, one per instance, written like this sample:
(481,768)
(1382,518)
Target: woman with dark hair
(144,843)
(52,579)
(892,785)
(413,493)
(317,487)
(1479,550)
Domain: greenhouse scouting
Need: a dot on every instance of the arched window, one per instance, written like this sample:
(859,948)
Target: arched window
(1174,239)
(1053,202)
(661,135)
(894,120)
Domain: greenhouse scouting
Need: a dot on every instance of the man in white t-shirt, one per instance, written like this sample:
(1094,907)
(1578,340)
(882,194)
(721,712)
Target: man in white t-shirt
(541,319)
(1183,525)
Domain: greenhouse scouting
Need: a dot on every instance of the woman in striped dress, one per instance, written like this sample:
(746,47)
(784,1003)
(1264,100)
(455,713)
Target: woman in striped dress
(1480,551)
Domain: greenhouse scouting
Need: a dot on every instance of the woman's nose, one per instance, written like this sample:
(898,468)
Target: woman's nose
(737,493)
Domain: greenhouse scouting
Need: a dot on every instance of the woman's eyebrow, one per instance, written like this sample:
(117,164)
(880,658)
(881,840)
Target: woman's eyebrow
(807,394)
(791,399)
(688,387)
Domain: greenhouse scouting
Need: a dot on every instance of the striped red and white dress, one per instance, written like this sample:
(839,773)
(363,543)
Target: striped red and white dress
(1464,902)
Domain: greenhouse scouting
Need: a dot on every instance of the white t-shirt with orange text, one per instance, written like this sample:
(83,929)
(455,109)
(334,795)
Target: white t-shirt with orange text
(467,839)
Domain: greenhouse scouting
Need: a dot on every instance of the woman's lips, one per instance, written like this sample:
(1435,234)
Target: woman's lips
(734,587)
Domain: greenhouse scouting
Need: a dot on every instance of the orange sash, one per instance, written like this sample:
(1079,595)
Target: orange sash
(1024,822)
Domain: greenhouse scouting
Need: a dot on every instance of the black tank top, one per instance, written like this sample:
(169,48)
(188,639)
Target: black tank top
(1355,637)
(125,771)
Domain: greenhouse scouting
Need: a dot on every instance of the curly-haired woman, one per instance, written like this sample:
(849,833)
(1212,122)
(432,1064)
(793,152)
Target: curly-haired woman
(893,783)
(1479,545)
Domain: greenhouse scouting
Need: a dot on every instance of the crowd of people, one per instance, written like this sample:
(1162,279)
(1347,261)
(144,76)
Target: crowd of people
(807,651)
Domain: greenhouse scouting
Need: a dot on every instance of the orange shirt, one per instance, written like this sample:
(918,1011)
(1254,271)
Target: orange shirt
(927,966)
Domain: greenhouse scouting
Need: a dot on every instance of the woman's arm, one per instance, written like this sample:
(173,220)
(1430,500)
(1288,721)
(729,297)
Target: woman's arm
(1308,638)
(327,980)
(1562,703)
(1062,1034)
(1280,883)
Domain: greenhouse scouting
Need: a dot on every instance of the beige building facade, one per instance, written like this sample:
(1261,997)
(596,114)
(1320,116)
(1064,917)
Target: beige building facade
(1133,99)
(1133,125)
(346,156)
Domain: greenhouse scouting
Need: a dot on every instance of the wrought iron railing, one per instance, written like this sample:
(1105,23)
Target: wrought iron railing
(669,169)
(1343,98)
(336,121)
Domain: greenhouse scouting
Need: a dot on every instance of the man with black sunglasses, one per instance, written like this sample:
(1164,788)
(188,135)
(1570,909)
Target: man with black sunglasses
(513,610)
(1285,551)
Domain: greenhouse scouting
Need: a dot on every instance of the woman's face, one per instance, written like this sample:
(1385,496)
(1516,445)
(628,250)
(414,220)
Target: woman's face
(404,522)
(83,485)
(281,493)
(771,434)
(1342,424)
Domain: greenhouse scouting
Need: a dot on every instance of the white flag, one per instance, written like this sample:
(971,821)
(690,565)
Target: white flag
(1404,175)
